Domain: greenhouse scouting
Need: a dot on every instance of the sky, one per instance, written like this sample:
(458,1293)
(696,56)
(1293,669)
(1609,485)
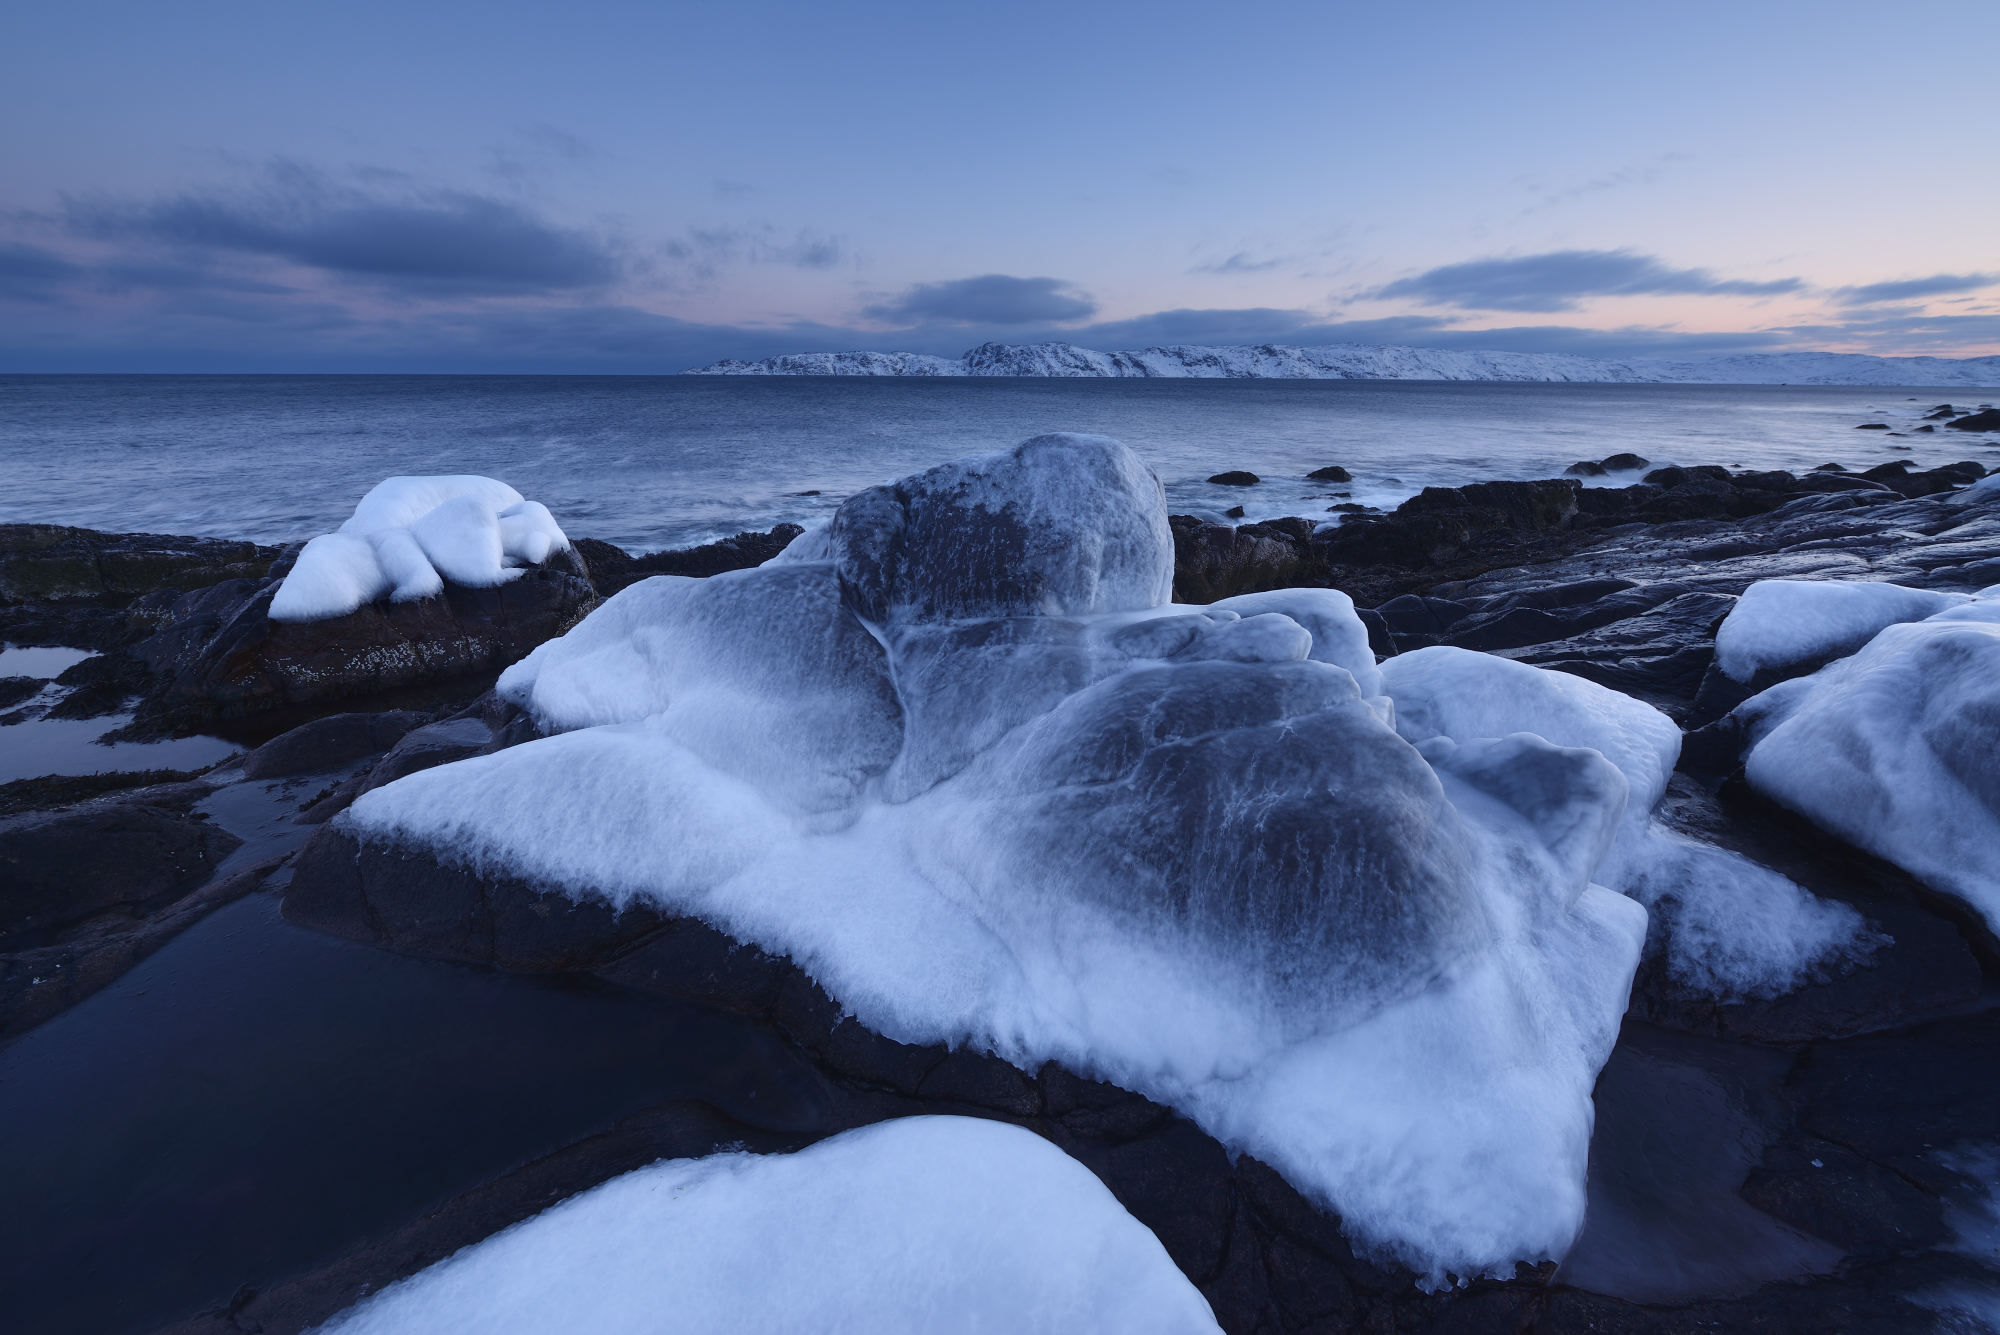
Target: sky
(614,187)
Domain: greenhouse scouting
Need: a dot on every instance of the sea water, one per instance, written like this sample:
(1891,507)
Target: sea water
(663,461)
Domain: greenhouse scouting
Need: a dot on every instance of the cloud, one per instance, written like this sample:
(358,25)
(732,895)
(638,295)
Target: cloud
(425,239)
(31,273)
(1557,280)
(1905,289)
(1240,262)
(994,298)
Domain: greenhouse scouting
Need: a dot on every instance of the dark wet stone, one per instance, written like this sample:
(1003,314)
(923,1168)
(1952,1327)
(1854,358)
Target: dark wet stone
(13,690)
(1239,478)
(1332,473)
(328,743)
(63,790)
(1989,420)
(1873,426)
(1214,561)
(1861,1207)
(1830,468)
(1234,512)
(982,1080)
(1175,1181)
(47,562)
(693,961)
(387,896)
(1620,463)
(1667,477)
(1584,468)
(65,866)
(1659,655)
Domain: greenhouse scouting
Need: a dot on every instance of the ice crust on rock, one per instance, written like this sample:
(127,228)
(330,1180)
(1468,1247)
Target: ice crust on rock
(916,1225)
(990,788)
(1781,622)
(1896,749)
(410,534)
(1727,926)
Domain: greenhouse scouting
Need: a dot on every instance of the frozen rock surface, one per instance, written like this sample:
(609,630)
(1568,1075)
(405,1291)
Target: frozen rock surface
(1896,749)
(1725,925)
(975,776)
(917,1225)
(411,534)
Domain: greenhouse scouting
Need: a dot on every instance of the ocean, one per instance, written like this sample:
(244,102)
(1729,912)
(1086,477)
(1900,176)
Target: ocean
(649,462)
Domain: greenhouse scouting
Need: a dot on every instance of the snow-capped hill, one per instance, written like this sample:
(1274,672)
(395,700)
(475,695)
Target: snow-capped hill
(839,363)
(1359,361)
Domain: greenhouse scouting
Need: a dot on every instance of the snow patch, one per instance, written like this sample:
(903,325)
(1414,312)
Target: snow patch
(410,534)
(916,1225)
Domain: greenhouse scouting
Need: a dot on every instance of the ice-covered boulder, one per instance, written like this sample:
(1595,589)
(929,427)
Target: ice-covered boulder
(762,673)
(918,1225)
(1896,749)
(1727,926)
(1059,525)
(411,534)
(961,762)
(1779,623)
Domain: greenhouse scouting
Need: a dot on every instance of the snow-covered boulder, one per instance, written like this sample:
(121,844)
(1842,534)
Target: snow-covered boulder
(974,774)
(411,534)
(1782,623)
(1726,926)
(1896,749)
(914,1226)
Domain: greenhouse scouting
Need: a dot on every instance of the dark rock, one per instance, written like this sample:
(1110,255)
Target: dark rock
(1667,477)
(47,562)
(1096,1111)
(1827,482)
(1332,473)
(1239,478)
(1381,641)
(1988,420)
(693,961)
(1926,428)
(1942,410)
(65,866)
(232,660)
(328,743)
(1234,512)
(740,552)
(1830,468)
(13,690)
(1883,472)
(1621,463)
(1214,561)
(1584,468)
(62,790)
(1413,614)
(1656,652)
(983,1081)
(1175,1181)
(1873,426)
(1861,1207)
(1965,470)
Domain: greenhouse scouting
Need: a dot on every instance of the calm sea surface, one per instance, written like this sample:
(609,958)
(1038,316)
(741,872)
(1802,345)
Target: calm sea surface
(663,461)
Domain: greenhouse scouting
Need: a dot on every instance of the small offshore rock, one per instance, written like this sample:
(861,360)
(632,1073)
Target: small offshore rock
(1982,421)
(1234,512)
(1873,426)
(1619,463)
(1584,468)
(1331,473)
(1236,478)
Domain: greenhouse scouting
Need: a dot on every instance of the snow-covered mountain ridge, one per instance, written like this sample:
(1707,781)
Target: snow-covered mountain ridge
(1358,361)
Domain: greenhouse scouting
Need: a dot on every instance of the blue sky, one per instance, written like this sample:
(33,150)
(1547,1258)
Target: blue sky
(632,188)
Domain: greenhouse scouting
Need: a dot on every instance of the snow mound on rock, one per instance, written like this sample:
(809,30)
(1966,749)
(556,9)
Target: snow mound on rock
(989,788)
(1781,622)
(1897,749)
(917,1225)
(1727,926)
(410,534)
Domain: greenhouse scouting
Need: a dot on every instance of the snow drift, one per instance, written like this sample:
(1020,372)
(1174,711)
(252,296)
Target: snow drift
(411,534)
(918,1225)
(961,760)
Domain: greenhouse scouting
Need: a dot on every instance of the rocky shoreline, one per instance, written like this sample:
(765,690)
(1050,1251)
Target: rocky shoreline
(1876,1068)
